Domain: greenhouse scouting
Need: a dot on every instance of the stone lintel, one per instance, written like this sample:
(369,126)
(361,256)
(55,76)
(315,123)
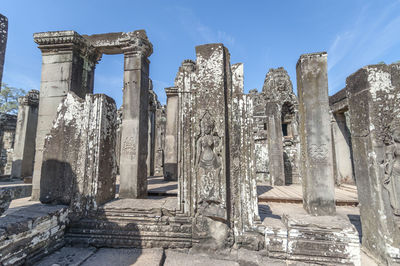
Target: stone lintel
(121,42)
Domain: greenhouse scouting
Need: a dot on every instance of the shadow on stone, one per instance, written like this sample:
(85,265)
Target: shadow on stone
(265,211)
(355,220)
(288,169)
(263,189)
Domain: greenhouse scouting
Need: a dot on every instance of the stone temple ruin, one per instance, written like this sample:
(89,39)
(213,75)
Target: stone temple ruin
(216,171)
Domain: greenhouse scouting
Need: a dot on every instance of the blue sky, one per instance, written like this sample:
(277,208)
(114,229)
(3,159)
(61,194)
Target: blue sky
(260,34)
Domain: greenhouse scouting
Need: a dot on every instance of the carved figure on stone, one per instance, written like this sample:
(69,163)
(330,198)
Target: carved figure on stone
(208,159)
(392,168)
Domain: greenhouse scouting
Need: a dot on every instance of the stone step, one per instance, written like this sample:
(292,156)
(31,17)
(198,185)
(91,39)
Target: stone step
(131,231)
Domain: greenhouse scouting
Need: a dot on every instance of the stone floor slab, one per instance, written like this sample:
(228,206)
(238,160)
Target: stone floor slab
(169,203)
(174,258)
(125,257)
(70,256)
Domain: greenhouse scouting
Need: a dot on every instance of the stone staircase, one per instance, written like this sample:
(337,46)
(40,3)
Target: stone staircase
(116,225)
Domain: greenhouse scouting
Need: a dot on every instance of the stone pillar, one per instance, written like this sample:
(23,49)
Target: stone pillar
(275,144)
(184,82)
(171,137)
(118,142)
(211,164)
(134,133)
(8,124)
(343,167)
(243,184)
(151,129)
(3,43)
(315,134)
(24,147)
(159,140)
(68,64)
(374,107)
(79,163)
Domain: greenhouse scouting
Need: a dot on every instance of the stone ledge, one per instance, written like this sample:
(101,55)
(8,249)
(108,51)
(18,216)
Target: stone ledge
(31,232)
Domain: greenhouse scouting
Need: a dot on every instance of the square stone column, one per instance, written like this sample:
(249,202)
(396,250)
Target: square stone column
(184,82)
(3,43)
(151,139)
(275,144)
(315,135)
(68,63)
(343,168)
(374,107)
(24,147)
(159,140)
(171,137)
(134,131)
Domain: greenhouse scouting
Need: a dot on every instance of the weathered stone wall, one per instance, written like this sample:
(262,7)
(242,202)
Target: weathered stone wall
(374,100)
(3,43)
(8,124)
(32,232)
(79,164)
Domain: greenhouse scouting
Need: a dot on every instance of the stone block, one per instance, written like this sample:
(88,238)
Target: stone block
(79,166)
(32,232)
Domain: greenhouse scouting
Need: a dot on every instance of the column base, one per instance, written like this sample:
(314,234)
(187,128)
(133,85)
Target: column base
(313,239)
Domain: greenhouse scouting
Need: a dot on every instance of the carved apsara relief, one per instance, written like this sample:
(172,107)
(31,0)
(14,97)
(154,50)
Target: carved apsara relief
(209,160)
(391,180)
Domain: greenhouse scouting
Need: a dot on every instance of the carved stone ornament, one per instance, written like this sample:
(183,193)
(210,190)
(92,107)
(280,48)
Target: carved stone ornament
(391,165)
(208,159)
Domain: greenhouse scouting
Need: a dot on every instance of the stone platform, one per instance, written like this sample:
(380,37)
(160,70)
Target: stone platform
(292,234)
(140,223)
(345,195)
(157,186)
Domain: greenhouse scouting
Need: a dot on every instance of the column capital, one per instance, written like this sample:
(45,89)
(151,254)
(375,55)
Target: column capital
(188,65)
(31,99)
(137,43)
(55,41)
(171,91)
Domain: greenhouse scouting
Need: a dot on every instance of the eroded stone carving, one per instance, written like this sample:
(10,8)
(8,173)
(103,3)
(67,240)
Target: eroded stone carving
(208,159)
(391,181)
